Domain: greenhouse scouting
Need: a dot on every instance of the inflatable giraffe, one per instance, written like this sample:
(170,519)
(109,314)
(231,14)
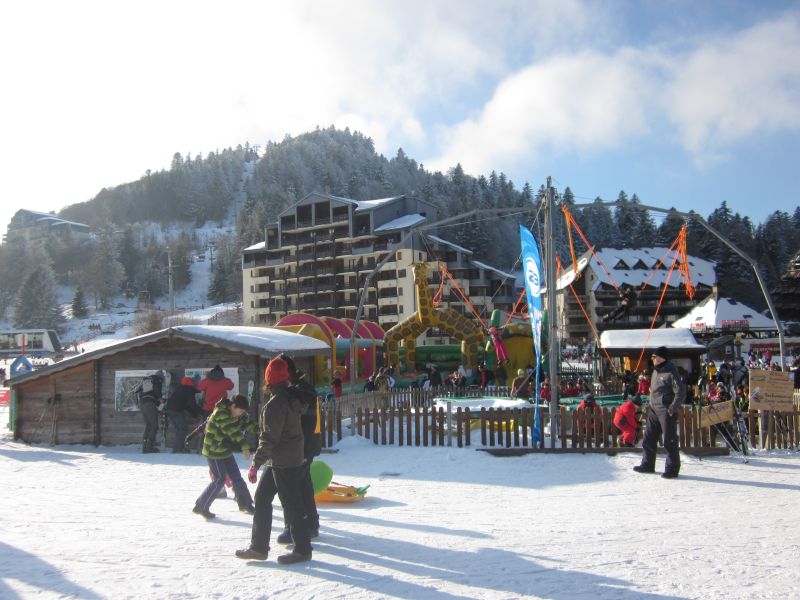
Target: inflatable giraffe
(448,320)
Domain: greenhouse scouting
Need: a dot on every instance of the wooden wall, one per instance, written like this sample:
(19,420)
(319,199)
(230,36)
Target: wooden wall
(86,412)
(58,409)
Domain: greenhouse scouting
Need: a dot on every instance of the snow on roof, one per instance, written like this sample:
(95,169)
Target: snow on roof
(401,223)
(713,312)
(503,274)
(364,205)
(258,246)
(267,339)
(620,262)
(635,338)
(446,243)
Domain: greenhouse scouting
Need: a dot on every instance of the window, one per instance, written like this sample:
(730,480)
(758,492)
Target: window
(399,255)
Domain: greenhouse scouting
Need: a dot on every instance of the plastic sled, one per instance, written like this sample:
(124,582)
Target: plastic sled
(336,492)
(321,475)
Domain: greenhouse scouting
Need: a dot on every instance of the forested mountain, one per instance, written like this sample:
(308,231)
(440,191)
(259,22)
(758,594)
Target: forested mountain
(127,255)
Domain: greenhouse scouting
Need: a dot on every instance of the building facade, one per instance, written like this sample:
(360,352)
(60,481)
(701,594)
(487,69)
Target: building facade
(318,256)
(621,288)
(37,225)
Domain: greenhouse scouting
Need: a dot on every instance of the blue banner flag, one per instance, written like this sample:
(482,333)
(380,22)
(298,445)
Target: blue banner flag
(532,269)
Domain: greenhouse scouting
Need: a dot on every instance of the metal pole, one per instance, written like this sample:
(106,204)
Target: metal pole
(552,325)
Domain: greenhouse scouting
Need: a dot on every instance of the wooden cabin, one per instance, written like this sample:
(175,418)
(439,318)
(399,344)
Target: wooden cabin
(89,398)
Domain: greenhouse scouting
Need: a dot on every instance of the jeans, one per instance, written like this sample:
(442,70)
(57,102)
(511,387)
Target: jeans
(658,422)
(220,468)
(178,419)
(285,482)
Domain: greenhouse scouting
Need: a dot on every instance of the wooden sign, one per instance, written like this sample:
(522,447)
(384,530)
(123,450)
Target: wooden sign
(771,390)
(719,412)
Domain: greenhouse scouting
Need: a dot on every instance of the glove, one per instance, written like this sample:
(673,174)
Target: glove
(252,473)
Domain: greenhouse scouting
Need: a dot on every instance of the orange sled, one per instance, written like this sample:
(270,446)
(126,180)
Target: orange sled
(336,492)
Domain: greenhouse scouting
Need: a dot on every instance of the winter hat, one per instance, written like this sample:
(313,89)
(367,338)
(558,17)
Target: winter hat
(589,398)
(662,352)
(277,371)
(520,372)
(216,373)
(187,381)
(637,400)
(289,363)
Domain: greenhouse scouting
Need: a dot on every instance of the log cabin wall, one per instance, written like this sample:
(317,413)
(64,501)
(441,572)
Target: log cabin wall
(173,355)
(58,409)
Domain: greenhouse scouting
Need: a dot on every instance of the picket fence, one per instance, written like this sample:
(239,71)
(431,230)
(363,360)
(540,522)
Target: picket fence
(409,418)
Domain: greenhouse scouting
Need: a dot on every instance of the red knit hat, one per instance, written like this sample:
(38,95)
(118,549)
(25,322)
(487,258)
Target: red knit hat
(277,371)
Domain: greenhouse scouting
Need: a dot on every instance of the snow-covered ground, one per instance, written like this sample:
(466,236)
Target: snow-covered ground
(440,523)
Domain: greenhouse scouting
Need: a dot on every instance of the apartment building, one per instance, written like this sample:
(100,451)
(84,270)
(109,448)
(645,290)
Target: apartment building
(316,259)
(605,279)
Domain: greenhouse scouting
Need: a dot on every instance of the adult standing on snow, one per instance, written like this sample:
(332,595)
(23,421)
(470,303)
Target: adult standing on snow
(301,389)
(280,448)
(225,431)
(667,394)
(181,400)
(215,386)
(149,393)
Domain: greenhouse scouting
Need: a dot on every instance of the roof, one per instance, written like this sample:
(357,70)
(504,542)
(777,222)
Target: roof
(365,205)
(674,339)
(258,246)
(633,266)
(402,222)
(259,341)
(503,274)
(54,219)
(720,313)
(446,243)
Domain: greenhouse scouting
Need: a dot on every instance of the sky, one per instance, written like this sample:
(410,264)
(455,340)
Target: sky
(687,104)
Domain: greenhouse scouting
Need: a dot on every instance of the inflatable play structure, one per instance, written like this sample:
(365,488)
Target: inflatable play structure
(448,320)
(337,334)
(515,342)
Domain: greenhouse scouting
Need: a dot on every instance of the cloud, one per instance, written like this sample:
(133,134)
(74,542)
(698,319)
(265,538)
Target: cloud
(703,99)
(574,103)
(735,87)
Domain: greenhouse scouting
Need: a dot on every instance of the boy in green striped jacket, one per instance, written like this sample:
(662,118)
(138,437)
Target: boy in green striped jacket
(225,433)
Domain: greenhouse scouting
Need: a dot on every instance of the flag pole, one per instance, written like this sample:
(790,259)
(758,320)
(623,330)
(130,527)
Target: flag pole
(552,319)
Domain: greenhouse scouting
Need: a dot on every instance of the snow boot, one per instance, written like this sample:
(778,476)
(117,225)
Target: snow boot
(250,554)
(644,469)
(669,474)
(149,447)
(285,537)
(206,514)
(294,557)
(249,510)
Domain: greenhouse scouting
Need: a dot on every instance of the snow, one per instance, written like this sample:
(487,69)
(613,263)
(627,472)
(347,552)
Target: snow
(635,338)
(436,523)
(401,223)
(711,312)
(364,205)
(446,243)
(486,267)
(268,339)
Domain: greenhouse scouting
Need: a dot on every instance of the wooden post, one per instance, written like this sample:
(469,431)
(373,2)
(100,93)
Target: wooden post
(491,419)
(483,426)
(425,425)
(400,415)
(359,426)
(507,420)
(563,412)
(468,427)
(441,426)
(408,426)
(614,441)
(459,426)
(377,418)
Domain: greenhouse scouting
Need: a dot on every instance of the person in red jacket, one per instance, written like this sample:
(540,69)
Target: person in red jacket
(215,387)
(644,385)
(626,421)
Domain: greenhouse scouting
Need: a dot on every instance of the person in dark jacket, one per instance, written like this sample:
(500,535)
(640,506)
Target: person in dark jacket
(181,400)
(225,432)
(667,394)
(301,389)
(149,393)
(280,448)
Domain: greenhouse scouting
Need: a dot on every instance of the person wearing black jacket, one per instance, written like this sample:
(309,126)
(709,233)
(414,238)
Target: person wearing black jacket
(301,389)
(667,394)
(181,400)
(149,394)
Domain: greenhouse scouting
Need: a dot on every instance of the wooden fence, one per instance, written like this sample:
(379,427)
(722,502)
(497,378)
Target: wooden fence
(408,417)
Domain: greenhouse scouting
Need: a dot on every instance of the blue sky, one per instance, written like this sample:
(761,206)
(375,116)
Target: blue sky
(686,104)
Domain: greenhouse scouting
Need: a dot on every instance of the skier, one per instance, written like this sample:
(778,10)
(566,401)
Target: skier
(667,394)
(224,433)
(280,448)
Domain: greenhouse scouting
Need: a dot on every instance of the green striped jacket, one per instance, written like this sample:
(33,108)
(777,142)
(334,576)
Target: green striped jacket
(224,432)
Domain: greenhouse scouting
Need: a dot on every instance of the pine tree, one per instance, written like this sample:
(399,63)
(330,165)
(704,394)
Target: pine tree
(104,274)
(79,308)
(36,306)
